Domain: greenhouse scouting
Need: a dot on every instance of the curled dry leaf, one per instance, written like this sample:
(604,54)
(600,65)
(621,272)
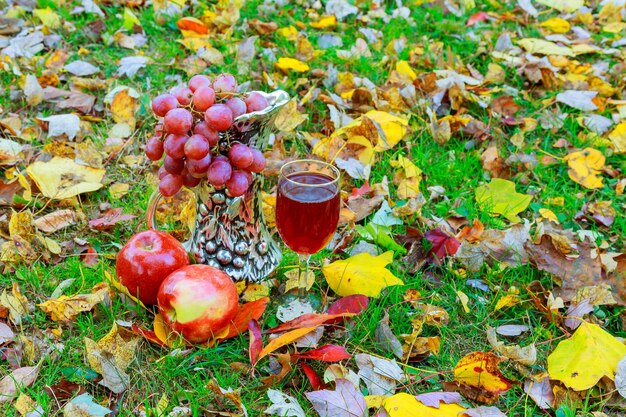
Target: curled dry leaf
(526,355)
(66,308)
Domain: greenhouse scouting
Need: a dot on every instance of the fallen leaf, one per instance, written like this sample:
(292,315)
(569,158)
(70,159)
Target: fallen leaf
(618,137)
(326,353)
(480,370)
(256,343)
(283,405)
(581,100)
(584,167)
(526,355)
(66,308)
(433,399)
(312,376)
(6,334)
(248,311)
(345,401)
(620,377)
(361,274)
(500,197)
(563,5)
(406,405)
(540,391)
(57,220)
(512,329)
(16,303)
(84,406)
(284,339)
(583,359)
(543,47)
(381,376)
(62,178)
(62,124)
(483,411)
(291,64)
(109,219)
(13,382)
(81,68)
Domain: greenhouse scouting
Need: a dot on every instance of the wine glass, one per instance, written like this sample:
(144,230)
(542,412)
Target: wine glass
(307,209)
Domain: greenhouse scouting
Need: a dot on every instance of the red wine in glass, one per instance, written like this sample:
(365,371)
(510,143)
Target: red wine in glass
(307,210)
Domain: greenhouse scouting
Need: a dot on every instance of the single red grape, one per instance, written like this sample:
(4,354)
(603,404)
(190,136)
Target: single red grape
(225,83)
(154,149)
(258,161)
(174,145)
(197,147)
(170,184)
(198,167)
(255,102)
(198,81)
(203,98)
(173,165)
(240,155)
(237,106)
(162,172)
(219,117)
(163,103)
(182,94)
(237,184)
(178,121)
(219,173)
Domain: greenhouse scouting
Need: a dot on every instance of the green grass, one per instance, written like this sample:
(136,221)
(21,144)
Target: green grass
(183,378)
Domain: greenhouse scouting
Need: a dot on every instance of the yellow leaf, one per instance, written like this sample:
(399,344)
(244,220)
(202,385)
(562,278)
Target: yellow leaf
(374,401)
(404,68)
(406,405)
(410,169)
(614,27)
(255,291)
(285,339)
(563,5)
(507,301)
(67,308)
(463,299)
(118,190)
(48,17)
(393,127)
(555,201)
(325,22)
(124,105)
(480,370)
(361,274)
(500,197)
(291,64)
(288,117)
(293,279)
(21,224)
(584,167)
(583,359)
(543,47)
(548,215)
(130,20)
(290,33)
(409,188)
(62,178)
(556,25)
(119,341)
(16,303)
(165,333)
(194,43)
(618,137)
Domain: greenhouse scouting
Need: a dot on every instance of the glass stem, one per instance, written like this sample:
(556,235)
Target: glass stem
(304,273)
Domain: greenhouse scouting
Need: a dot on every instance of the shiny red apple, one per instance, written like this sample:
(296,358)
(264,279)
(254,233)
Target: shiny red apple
(198,302)
(146,260)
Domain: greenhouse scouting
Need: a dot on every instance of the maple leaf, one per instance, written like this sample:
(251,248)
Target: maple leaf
(345,401)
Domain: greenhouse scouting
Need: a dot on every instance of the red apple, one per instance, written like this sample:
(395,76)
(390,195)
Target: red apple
(198,301)
(146,260)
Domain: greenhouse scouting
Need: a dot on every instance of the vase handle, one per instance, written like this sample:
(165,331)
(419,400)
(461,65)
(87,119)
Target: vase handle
(153,203)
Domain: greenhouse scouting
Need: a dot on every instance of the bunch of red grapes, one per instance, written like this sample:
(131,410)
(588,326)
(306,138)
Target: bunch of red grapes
(190,119)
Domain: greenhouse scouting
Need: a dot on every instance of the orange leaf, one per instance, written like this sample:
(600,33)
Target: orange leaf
(147,334)
(480,370)
(308,320)
(285,339)
(249,311)
(193,24)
